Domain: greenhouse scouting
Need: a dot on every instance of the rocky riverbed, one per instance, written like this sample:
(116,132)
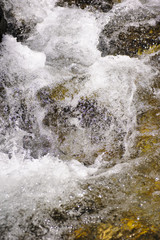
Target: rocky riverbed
(80,120)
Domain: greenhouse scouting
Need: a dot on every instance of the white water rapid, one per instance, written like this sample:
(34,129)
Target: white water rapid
(55,152)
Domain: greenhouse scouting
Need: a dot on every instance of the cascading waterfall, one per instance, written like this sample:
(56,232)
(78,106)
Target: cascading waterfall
(79,131)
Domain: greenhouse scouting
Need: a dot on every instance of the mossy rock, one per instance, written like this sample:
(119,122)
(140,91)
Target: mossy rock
(103,6)
(119,39)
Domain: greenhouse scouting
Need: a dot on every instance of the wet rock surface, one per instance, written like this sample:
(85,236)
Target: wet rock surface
(21,117)
(3,24)
(95,214)
(132,221)
(117,38)
(4,114)
(4,107)
(19,29)
(116,202)
(148,128)
(103,6)
(81,129)
(129,229)
(36,146)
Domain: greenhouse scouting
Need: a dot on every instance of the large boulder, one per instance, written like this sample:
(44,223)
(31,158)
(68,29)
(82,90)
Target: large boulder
(3,24)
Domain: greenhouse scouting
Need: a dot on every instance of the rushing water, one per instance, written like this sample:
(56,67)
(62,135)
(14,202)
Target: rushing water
(71,150)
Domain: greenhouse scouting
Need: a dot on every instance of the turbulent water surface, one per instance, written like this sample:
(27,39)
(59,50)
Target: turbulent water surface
(80,118)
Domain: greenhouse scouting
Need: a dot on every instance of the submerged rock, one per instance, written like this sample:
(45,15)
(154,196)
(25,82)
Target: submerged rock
(83,131)
(4,116)
(121,37)
(128,229)
(36,146)
(3,24)
(101,5)
(148,127)
(4,107)
(19,29)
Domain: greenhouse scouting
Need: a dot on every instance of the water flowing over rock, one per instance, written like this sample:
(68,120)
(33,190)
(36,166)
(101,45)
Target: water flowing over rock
(80,120)
(130,228)
(81,130)
(103,6)
(117,38)
(18,28)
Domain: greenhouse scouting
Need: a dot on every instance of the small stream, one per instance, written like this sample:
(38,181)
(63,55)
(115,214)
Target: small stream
(80,120)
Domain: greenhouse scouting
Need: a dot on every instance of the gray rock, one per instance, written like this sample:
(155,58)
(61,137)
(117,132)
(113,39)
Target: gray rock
(100,5)
(37,146)
(81,129)
(3,24)
(121,37)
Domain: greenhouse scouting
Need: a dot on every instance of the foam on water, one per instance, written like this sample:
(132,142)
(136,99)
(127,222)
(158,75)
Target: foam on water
(116,79)
(20,57)
(65,44)
(49,180)
(29,10)
(62,46)
(64,39)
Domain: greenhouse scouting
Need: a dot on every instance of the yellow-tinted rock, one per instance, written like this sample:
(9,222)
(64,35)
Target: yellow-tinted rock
(59,92)
(152,49)
(107,232)
(150,118)
(147,143)
(127,229)
(149,129)
(132,41)
(82,233)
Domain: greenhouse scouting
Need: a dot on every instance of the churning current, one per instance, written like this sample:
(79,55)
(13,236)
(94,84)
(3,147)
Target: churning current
(70,97)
